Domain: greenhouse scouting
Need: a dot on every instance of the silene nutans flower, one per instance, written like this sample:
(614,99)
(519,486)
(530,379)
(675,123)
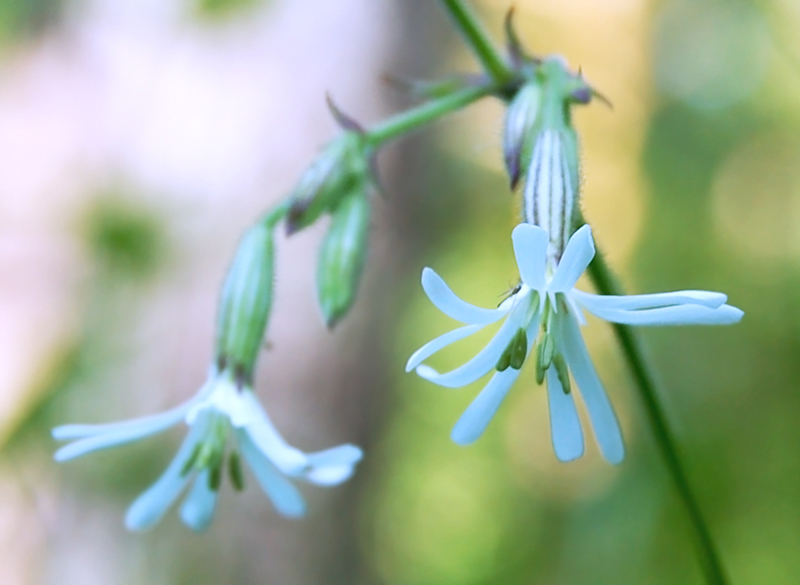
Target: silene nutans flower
(541,324)
(227,425)
(542,317)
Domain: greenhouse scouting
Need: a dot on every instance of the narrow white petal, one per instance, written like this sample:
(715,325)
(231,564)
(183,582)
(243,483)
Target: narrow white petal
(452,306)
(197,510)
(487,358)
(565,426)
(147,425)
(530,249)
(106,441)
(439,343)
(652,301)
(478,414)
(675,315)
(333,466)
(577,256)
(342,455)
(285,497)
(150,507)
(604,421)
(266,437)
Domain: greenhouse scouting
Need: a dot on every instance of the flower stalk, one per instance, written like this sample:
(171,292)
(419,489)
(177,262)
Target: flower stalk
(420,116)
(477,38)
(606,284)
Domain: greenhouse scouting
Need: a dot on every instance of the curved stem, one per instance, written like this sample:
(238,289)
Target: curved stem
(417,117)
(606,284)
(492,60)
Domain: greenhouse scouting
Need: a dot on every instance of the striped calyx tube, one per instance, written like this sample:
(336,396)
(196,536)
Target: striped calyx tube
(245,305)
(543,139)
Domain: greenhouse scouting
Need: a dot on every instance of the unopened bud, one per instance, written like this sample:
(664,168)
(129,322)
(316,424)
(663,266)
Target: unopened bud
(246,302)
(341,258)
(518,134)
(342,168)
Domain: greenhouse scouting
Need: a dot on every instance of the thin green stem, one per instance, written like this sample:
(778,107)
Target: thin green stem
(606,284)
(415,118)
(477,38)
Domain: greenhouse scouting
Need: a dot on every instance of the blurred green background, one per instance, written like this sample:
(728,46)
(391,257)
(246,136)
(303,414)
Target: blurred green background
(140,141)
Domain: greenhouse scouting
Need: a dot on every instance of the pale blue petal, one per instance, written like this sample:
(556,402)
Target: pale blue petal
(452,306)
(478,414)
(439,343)
(266,437)
(565,426)
(577,256)
(676,315)
(487,358)
(342,455)
(197,510)
(331,475)
(114,434)
(634,302)
(285,497)
(147,425)
(530,249)
(333,466)
(151,506)
(604,421)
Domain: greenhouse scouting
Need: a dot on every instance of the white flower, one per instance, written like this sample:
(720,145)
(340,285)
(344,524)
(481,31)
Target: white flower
(224,419)
(545,311)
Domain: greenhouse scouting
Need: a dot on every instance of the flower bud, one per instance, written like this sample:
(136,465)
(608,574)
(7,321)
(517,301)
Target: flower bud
(245,304)
(341,258)
(518,134)
(342,168)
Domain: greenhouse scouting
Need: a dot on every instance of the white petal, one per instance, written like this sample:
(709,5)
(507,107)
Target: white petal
(604,421)
(327,476)
(439,343)
(452,306)
(478,414)
(487,358)
(285,496)
(197,510)
(577,256)
(342,455)
(565,426)
(266,438)
(105,436)
(150,507)
(228,399)
(633,302)
(675,315)
(530,249)
(147,425)
(333,466)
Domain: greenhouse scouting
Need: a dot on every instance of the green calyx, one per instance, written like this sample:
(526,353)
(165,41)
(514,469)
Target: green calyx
(342,256)
(246,303)
(345,167)
(514,354)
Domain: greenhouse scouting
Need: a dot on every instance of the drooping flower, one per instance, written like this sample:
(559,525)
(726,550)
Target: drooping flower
(544,314)
(225,417)
(226,422)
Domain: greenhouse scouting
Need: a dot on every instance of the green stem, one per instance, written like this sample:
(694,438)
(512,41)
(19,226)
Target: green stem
(606,284)
(417,117)
(467,23)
